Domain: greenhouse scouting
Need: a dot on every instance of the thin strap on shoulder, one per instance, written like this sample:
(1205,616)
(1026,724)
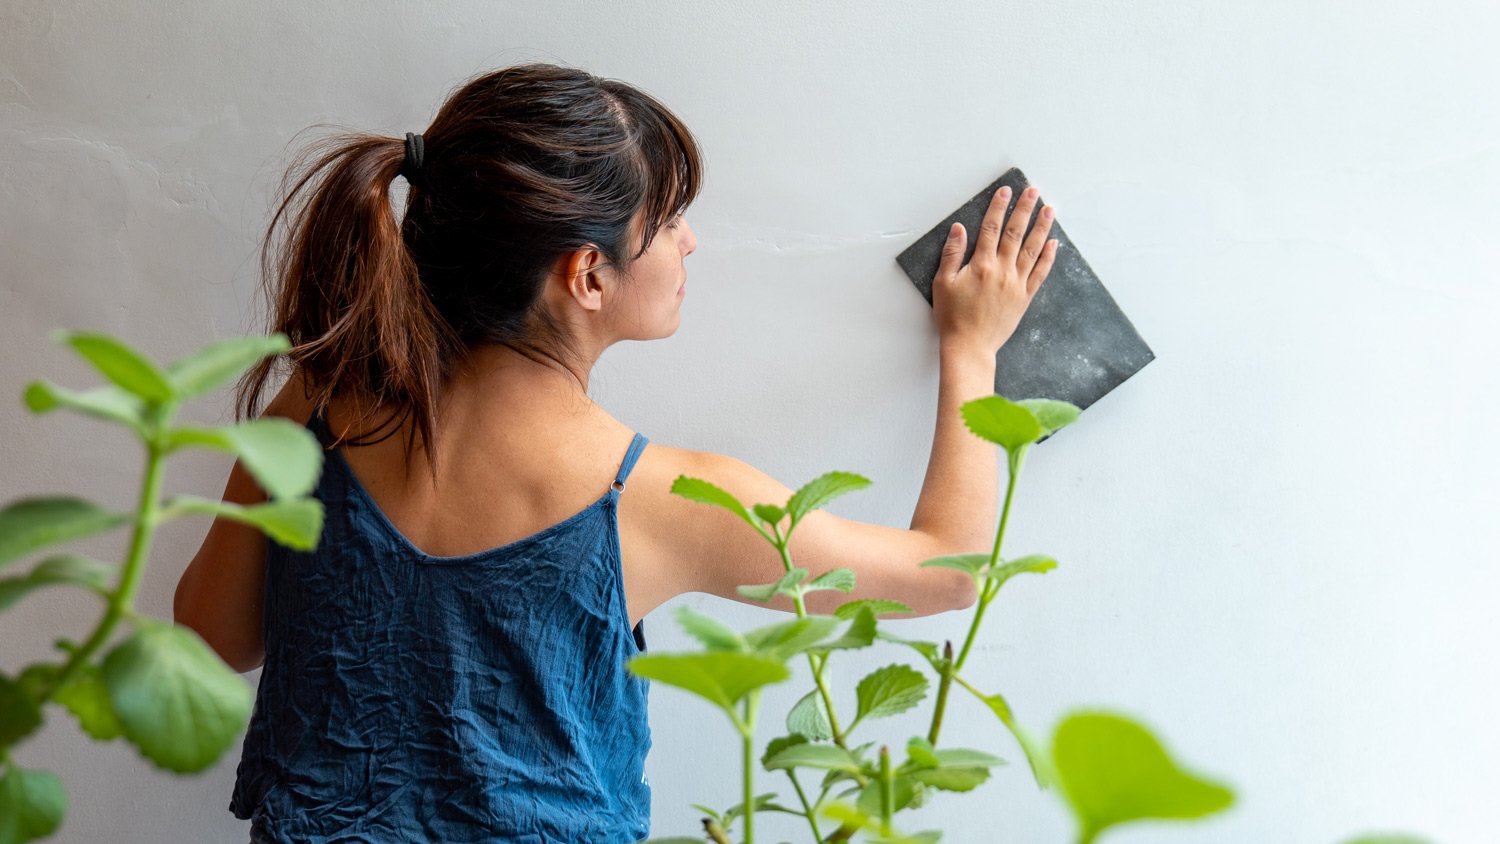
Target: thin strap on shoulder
(318,427)
(637,445)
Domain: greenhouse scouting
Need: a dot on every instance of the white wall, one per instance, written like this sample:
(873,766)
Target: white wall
(1277,541)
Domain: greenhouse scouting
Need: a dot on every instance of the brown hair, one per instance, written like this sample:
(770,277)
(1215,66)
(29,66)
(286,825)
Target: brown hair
(520,165)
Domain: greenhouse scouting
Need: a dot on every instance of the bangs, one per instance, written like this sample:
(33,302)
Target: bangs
(667,156)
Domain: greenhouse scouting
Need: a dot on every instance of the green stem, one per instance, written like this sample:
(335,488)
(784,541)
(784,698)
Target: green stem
(887,791)
(985,595)
(813,664)
(812,815)
(123,595)
(752,704)
(833,720)
(942,695)
(1014,464)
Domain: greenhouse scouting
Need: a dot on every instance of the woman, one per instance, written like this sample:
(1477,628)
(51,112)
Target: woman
(448,664)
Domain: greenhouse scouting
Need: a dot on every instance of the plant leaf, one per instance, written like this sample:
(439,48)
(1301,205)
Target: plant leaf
(1114,770)
(1051,414)
(19,713)
(108,402)
(963,757)
(769,513)
(822,489)
(218,362)
(697,489)
(890,690)
(121,363)
(1036,756)
(809,718)
(1032,563)
(176,700)
(33,523)
(87,697)
(64,568)
(713,633)
(859,634)
(840,579)
(720,677)
(879,606)
(1002,421)
(32,805)
(785,639)
(767,591)
(928,650)
(972,563)
(827,756)
(705,810)
(952,777)
(780,743)
(919,754)
(285,458)
(296,523)
(949,768)
(762,803)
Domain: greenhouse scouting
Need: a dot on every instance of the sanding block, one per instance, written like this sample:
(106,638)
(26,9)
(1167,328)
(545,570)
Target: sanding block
(1073,343)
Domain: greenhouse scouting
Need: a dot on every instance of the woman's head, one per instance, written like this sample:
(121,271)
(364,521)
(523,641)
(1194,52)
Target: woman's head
(530,174)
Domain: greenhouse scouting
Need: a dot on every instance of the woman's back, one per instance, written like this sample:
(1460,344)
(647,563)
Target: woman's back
(472,692)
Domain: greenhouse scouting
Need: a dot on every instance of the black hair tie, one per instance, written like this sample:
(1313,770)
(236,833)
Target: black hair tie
(414,156)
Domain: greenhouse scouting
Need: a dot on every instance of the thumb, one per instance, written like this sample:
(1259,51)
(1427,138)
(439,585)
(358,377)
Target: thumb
(953,251)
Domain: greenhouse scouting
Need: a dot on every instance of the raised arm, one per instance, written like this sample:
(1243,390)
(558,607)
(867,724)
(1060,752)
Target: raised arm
(698,547)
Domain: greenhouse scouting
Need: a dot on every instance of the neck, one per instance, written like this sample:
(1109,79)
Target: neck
(506,369)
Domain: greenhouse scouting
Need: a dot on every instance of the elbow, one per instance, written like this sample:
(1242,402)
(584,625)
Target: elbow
(944,590)
(964,592)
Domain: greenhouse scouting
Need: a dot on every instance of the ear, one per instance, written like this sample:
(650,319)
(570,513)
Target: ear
(582,272)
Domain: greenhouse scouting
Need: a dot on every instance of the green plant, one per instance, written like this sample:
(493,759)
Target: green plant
(159,686)
(1110,769)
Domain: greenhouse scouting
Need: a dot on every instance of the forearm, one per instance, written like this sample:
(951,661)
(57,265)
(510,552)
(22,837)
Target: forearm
(960,495)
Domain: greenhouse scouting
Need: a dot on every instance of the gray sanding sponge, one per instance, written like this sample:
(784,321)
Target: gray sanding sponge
(1073,343)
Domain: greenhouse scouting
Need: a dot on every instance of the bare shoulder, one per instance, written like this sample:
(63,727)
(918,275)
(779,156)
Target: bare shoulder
(292,401)
(670,543)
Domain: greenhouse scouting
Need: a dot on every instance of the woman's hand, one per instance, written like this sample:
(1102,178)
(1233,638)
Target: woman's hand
(980,304)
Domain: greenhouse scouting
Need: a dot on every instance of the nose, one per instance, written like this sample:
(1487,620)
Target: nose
(689,238)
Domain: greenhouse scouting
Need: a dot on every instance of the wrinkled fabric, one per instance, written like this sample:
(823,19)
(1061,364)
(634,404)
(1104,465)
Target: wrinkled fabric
(483,698)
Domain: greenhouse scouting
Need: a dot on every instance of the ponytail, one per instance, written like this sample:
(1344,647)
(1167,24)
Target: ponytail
(350,298)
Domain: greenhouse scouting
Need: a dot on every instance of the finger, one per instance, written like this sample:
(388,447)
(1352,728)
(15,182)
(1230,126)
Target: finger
(1035,242)
(989,228)
(1042,268)
(1010,241)
(953,252)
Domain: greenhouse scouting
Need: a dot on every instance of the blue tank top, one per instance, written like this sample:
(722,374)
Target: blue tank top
(481,698)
